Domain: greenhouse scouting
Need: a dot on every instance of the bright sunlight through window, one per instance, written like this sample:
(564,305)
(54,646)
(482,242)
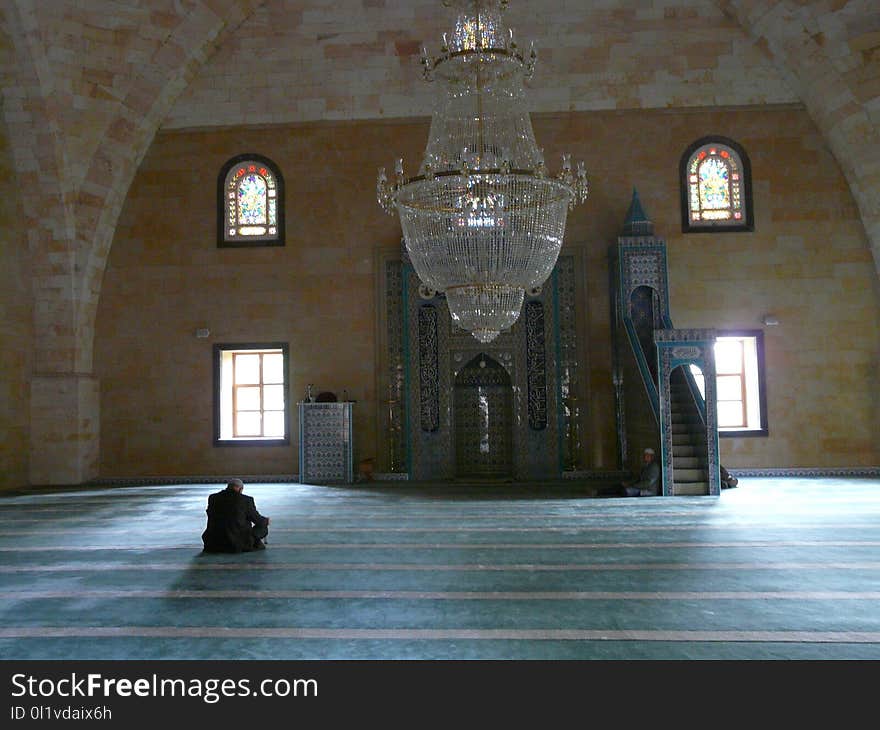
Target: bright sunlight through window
(738,380)
(252,403)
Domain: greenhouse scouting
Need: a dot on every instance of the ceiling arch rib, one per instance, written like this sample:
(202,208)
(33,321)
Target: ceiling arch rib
(30,113)
(830,54)
(129,133)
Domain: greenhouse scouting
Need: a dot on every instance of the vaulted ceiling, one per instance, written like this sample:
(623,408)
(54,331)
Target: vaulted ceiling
(86,86)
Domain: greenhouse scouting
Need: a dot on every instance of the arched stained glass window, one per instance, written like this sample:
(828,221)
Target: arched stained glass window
(715,187)
(250,205)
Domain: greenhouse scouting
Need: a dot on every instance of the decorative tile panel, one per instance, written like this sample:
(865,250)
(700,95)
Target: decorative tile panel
(325,443)
(429,378)
(395,434)
(852,471)
(569,409)
(643,263)
(536,372)
(432,454)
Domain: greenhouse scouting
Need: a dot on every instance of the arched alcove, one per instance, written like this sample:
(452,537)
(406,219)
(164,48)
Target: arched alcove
(644,310)
(483,417)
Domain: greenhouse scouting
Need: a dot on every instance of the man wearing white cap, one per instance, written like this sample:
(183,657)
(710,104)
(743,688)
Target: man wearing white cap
(648,483)
(234,525)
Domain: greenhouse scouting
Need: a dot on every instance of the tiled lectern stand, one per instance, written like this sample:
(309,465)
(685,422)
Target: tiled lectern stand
(326,448)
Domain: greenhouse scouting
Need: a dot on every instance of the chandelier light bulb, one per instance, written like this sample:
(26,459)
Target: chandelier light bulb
(482,219)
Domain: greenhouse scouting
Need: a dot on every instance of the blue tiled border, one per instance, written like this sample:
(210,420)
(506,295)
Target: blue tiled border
(853,471)
(207,479)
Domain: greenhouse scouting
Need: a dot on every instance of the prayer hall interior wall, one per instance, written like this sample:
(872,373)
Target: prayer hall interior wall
(807,263)
(16,330)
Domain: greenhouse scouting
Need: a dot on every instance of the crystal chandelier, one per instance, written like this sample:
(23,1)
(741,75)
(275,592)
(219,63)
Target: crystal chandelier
(482,220)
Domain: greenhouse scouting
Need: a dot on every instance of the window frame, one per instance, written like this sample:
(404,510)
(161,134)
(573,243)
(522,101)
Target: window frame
(242,242)
(763,429)
(218,350)
(747,224)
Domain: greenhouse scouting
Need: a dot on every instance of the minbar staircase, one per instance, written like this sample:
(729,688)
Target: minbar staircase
(690,463)
(661,359)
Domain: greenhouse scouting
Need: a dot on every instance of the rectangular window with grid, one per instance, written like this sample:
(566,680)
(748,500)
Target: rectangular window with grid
(250,394)
(739,379)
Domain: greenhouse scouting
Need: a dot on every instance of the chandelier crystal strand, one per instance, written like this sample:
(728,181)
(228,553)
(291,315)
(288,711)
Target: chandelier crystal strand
(482,221)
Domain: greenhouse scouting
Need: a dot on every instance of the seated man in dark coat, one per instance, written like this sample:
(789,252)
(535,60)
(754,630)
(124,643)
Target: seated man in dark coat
(234,525)
(648,483)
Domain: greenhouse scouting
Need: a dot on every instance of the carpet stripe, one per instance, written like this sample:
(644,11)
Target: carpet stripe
(460,546)
(331,529)
(459,595)
(250,566)
(469,573)
(224,632)
(381,517)
(586,509)
(444,502)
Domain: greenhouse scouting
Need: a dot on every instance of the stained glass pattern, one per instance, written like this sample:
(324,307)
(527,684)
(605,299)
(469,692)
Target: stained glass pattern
(252,199)
(715,186)
(251,205)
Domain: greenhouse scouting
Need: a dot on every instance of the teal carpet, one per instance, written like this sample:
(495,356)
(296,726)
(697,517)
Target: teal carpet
(775,569)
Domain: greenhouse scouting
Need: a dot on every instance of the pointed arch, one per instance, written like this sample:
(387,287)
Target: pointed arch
(483,419)
(824,52)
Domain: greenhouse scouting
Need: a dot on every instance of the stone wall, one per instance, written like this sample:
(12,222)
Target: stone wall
(166,277)
(808,263)
(16,332)
(292,61)
(85,86)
